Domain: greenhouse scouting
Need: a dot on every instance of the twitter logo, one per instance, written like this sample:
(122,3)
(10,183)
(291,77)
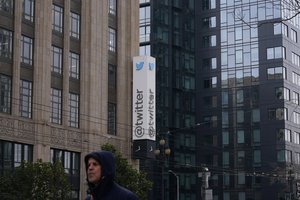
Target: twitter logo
(139,66)
(151,66)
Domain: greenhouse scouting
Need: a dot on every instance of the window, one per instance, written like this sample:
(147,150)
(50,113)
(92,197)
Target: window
(26,50)
(256,136)
(73,110)
(288,156)
(296,118)
(209,22)
(210,83)
(57,18)
(5,43)
(56,106)
(295,98)
(56,59)
(276,73)
(112,7)
(239,97)
(225,137)
(74,62)
(240,137)
(277,114)
(281,155)
(282,93)
(275,53)
(225,159)
(74,25)
(5,93)
(296,78)
(209,41)
(28,10)
(208,4)
(211,121)
(111,77)
(295,59)
(255,115)
(241,178)
(210,101)
(256,157)
(112,39)
(71,163)
(296,138)
(226,179)
(297,158)
(284,135)
(13,154)
(241,158)
(111,129)
(240,116)
(242,196)
(145,27)
(25,98)
(280,28)
(209,63)
(294,35)
(145,50)
(7,6)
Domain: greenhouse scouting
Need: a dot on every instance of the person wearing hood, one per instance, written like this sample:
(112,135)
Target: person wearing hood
(100,171)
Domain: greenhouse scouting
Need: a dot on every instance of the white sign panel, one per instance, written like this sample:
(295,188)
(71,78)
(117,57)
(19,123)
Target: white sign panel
(143,99)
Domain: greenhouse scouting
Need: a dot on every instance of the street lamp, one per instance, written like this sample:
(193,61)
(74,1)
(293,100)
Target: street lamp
(177,182)
(162,152)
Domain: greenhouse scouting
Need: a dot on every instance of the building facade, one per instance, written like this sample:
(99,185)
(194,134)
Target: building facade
(65,81)
(243,58)
(167,32)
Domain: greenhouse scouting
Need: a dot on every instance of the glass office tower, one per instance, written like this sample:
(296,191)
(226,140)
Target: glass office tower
(167,32)
(249,92)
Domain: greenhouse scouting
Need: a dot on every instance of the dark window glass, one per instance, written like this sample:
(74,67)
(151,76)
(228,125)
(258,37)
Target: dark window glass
(111,119)
(56,106)
(5,93)
(56,59)
(74,110)
(71,163)
(7,6)
(5,43)
(25,98)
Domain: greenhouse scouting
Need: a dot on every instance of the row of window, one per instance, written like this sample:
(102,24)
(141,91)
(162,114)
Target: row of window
(25,106)
(281,28)
(240,137)
(241,158)
(57,21)
(282,156)
(288,136)
(13,154)
(7,6)
(57,62)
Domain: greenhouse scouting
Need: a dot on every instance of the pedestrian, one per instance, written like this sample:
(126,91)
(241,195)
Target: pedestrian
(100,171)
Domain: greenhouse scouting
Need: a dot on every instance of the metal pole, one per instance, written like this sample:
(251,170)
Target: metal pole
(162,180)
(177,182)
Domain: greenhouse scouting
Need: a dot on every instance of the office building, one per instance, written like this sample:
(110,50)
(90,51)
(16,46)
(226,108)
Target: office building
(65,81)
(167,32)
(243,57)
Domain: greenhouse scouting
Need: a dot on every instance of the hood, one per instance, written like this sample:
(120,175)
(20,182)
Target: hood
(107,161)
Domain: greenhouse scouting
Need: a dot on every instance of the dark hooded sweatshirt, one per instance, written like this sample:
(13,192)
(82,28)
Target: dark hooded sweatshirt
(107,189)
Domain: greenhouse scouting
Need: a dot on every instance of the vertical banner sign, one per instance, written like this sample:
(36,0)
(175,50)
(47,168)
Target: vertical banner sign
(143,99)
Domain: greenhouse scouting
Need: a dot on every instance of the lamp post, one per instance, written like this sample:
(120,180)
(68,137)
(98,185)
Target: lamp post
(177,183)
(162,152)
